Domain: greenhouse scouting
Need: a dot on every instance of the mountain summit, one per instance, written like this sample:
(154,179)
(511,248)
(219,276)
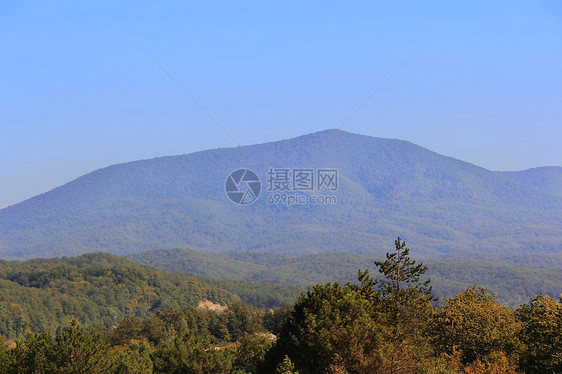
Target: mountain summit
(384,188)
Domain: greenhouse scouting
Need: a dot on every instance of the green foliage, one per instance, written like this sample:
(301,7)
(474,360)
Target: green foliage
(406,306)
(95,289)
(328,322)
(512,284)
(34,354)
(133,360)
(241,318)
(76,350)
(171,341)
(440,364)
(79,350)
(274,319)
(474,324)
(191,355)
(542,335)
(399,273)
(4,357)
(261,295)
(378,325)
(251,351)
(286,367)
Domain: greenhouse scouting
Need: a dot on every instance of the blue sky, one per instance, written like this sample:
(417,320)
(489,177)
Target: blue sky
(79,91)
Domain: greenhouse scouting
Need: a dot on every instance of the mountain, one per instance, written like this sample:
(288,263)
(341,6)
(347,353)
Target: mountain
(385,188)
(546,178)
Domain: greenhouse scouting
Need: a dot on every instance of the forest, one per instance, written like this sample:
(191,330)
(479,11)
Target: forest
(390,322)
(99,289)
(512,284)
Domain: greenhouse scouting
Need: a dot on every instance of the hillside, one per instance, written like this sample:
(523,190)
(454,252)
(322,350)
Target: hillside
(386,188)
(102,289)
(548,178)
(514,285)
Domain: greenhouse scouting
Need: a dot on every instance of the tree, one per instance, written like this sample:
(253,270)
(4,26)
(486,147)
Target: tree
(188,354)
(379,326)
(274,319)
(541,335)
(286,367)
(330,323)
(401,273)
(4,357)
(251,351)
(476,325)
(406,302)
(127,329)
(80,350)
(33,354)
(242,318)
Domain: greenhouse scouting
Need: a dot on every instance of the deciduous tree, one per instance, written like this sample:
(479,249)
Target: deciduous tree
(542,335)
(476,325)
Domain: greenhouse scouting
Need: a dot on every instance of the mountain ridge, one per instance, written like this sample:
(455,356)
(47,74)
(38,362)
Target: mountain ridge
(387,187)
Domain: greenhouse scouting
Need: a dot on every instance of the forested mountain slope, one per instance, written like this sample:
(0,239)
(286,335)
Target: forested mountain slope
(386,187)
(547,178)
(102,289)
(514,285)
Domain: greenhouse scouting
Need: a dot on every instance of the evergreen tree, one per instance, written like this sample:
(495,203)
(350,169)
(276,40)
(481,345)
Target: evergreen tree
(33,354)
(188,354)
(380,326)
(406,302)
(79,350)
(401,273)
(133,360)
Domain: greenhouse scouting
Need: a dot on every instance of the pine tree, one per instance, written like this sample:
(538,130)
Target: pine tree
(406,302)
(32,354)
(402,273)
(80,350)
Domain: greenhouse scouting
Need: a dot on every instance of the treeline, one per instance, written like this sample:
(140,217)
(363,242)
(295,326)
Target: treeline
(512,284)
(99,289)
(387,324)
(189,340)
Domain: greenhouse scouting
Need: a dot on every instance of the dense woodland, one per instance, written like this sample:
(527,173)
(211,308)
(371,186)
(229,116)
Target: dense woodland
(385,324)
(100,289)
(512,284)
